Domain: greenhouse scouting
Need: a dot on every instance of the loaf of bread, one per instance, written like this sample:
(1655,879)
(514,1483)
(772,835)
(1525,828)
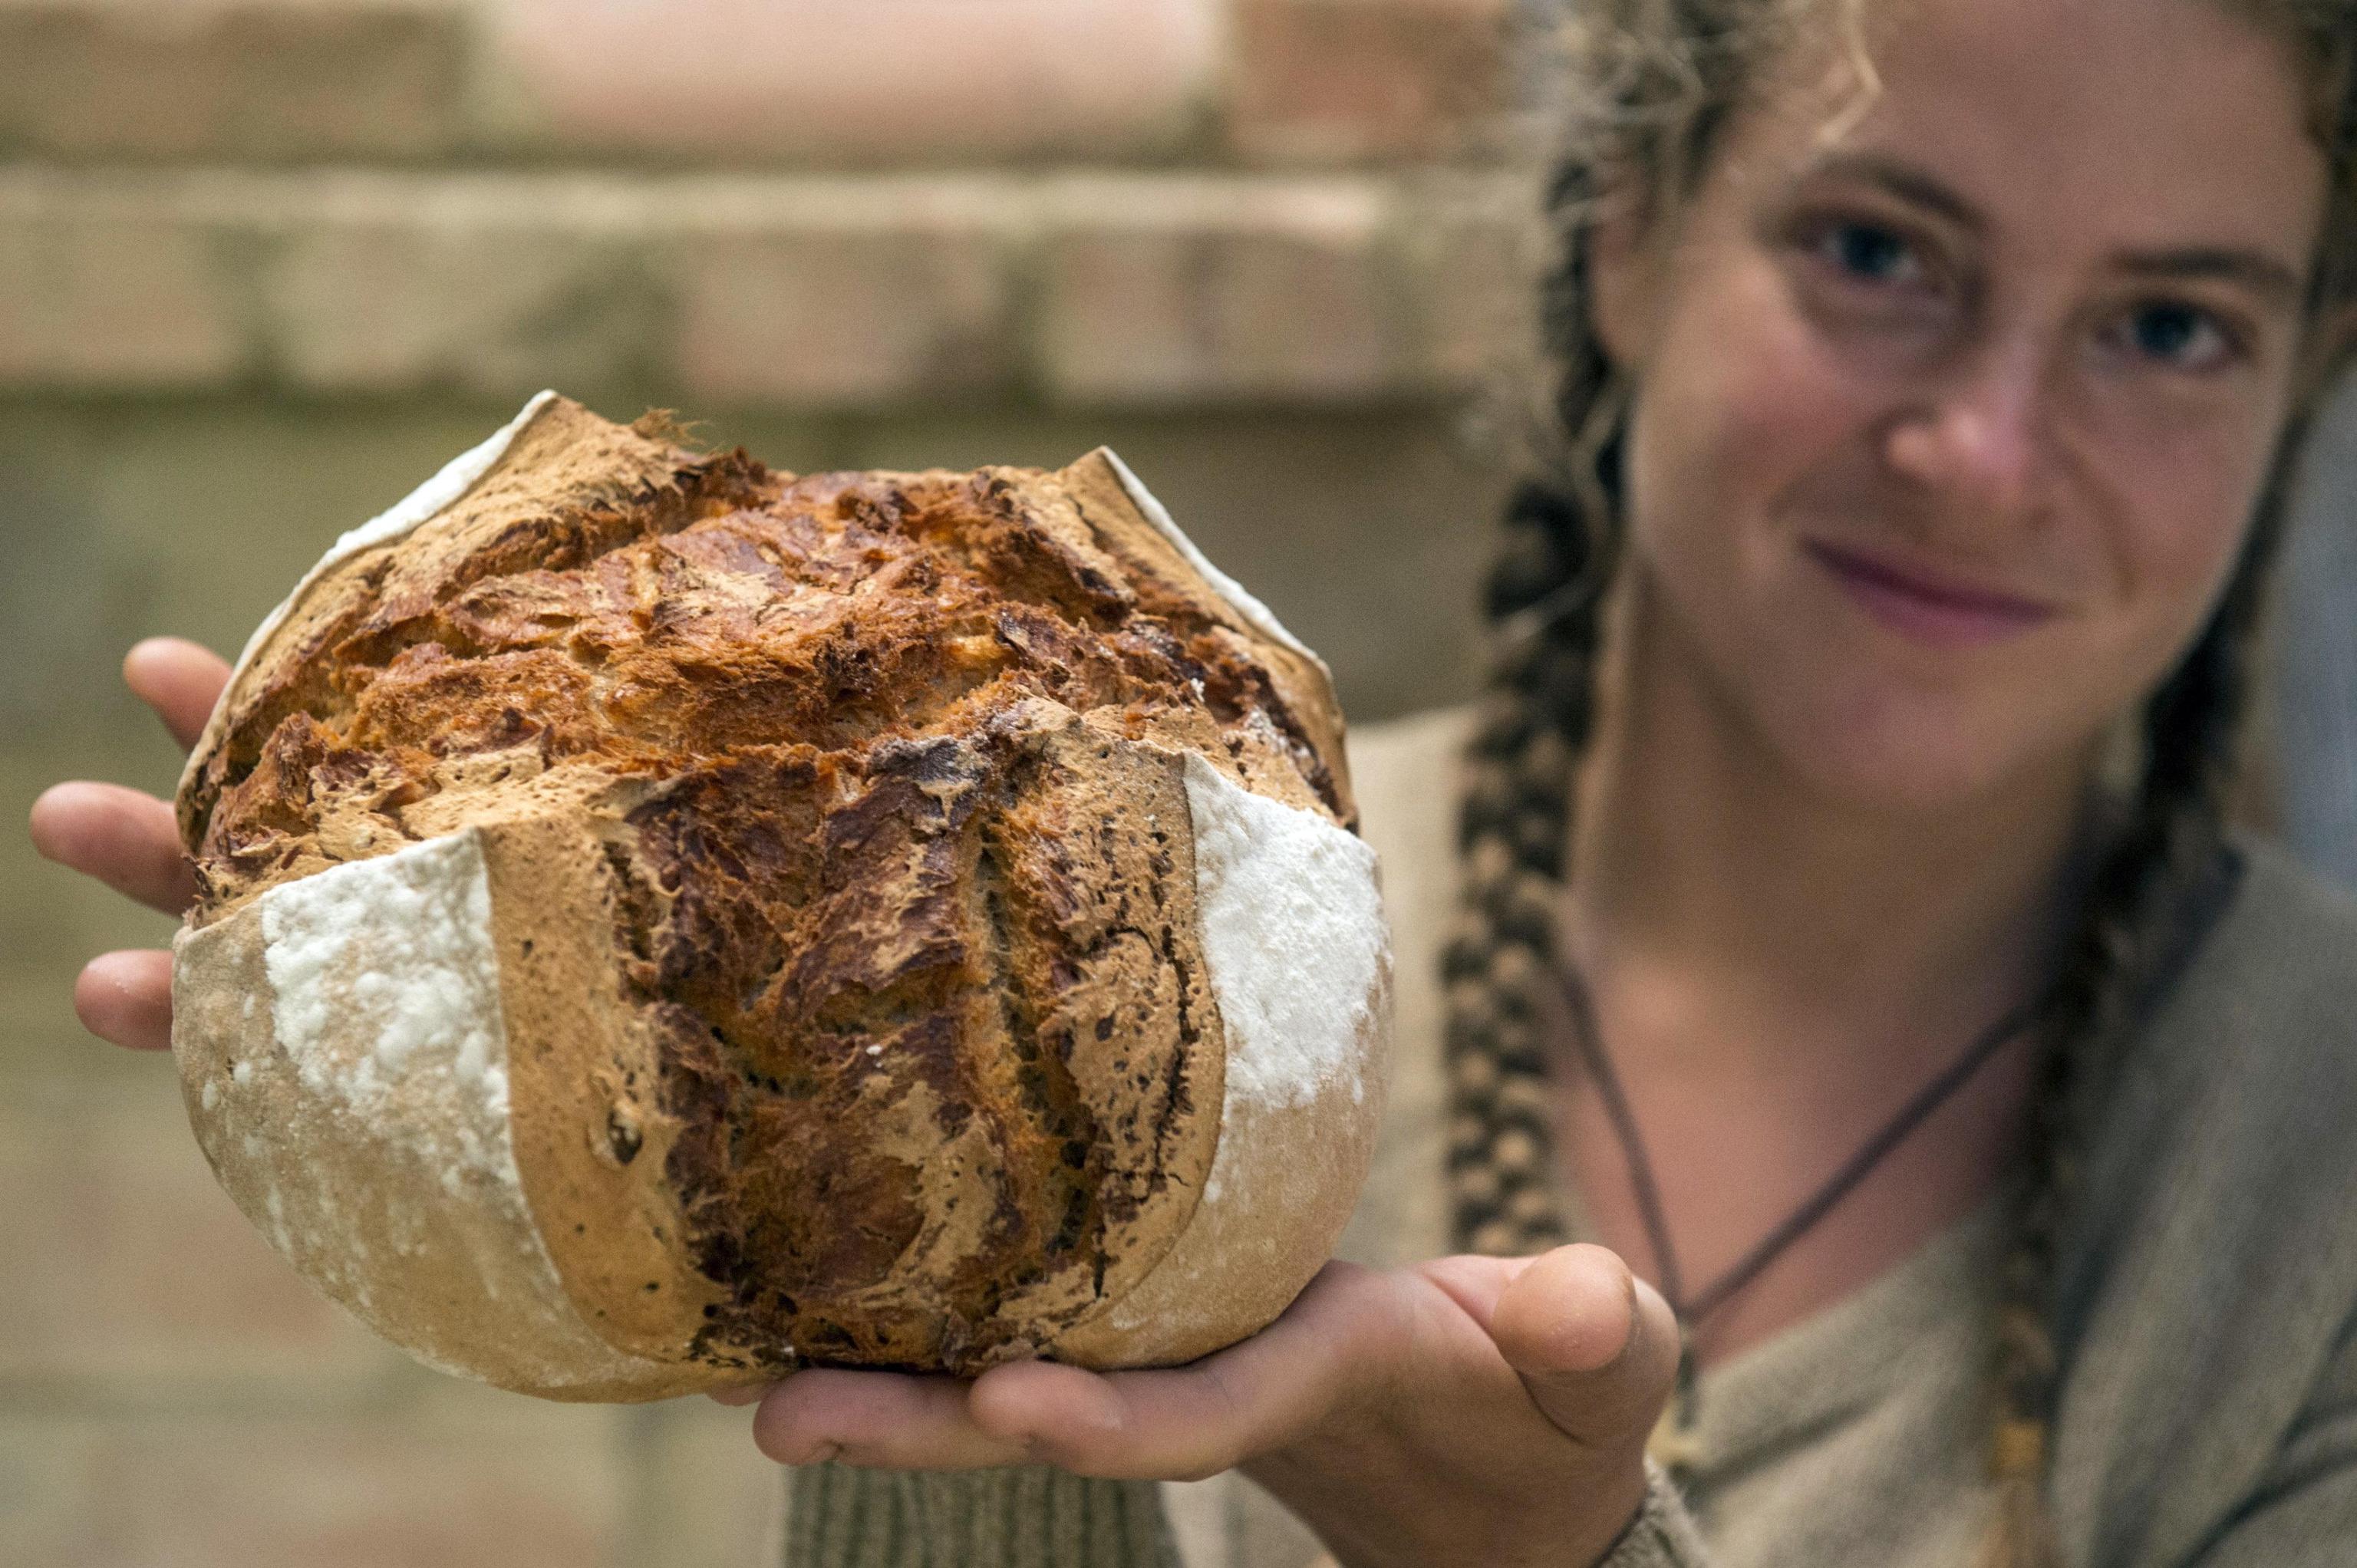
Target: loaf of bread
(665,922)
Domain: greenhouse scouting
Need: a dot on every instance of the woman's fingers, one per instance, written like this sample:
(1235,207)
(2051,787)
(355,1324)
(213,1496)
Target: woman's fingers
(1199,1420)
(1597,1348)
(126,997)
(1192,1421)
(881,1419)
(130,842)
(1178,1426)
(180,679)
(126,839)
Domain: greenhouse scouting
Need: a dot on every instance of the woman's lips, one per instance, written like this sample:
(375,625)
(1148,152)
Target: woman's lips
(1928,609)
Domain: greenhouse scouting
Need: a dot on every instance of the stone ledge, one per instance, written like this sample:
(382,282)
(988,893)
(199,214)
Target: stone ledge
(1086,288)
(281,80)
(754,83)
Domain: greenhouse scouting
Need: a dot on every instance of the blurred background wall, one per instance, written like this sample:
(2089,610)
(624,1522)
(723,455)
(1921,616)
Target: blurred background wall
(265,263)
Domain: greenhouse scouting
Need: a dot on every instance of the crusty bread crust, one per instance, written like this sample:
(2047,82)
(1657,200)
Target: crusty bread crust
(444,1256)
(841,908)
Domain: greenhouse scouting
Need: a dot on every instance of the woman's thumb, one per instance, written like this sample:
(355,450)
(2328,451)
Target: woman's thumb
(1597,1347)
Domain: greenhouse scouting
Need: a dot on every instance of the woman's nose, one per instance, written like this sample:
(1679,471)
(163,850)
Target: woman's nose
(1980,439)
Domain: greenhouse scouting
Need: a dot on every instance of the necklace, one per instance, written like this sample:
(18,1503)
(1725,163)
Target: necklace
(1675,1445)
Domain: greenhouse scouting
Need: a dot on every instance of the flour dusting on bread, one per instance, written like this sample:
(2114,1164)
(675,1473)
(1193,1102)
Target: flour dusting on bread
(1294,931)
(384,987)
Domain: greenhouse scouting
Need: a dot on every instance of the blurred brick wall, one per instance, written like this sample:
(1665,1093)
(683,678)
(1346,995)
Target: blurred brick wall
(265,263)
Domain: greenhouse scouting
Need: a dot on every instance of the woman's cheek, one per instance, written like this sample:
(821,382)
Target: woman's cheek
(1776,395)
(2184,516)
(1742,406)
(1718,455)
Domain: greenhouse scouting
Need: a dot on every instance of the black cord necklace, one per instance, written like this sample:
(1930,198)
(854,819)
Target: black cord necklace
(1673,1445)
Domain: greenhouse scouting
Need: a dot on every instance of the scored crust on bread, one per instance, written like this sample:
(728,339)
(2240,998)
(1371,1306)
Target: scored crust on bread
(662,920)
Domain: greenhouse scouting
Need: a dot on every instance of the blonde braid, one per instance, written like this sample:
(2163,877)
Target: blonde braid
(1515,825)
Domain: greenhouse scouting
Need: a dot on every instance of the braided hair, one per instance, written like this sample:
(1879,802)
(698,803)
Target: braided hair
(1654,82)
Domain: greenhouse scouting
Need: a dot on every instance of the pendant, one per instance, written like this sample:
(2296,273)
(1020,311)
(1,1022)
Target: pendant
(1675,1443)
(1675,1446)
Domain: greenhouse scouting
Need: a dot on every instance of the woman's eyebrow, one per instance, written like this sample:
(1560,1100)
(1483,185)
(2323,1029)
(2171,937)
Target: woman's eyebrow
(1901,180)
(2274,281)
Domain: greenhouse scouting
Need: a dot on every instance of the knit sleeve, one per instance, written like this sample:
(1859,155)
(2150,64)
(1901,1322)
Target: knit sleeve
(1029,1516)
(1662,1535)
(1035,1517)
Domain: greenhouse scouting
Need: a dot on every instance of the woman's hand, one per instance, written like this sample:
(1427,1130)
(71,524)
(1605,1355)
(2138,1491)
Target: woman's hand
(128,841)
(1469,1411)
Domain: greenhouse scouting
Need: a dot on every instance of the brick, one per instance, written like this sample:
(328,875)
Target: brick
(225,1489)
(1476,253)
(844,294)
(878,82)
(1350,79)
(1174,291)
(138,1281)
(110,287)
(258,79)
(483,284)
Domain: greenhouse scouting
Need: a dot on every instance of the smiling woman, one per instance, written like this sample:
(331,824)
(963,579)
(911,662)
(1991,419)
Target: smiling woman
(1934,371)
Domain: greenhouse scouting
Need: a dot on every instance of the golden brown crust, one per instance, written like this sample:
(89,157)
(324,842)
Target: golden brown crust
(569,485)
(1298,695)
(898,1047)
(583,1082)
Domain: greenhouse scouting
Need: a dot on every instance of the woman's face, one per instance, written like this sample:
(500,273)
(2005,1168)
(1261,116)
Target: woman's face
(1953,401)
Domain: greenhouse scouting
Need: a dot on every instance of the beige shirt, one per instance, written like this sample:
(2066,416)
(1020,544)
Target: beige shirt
(2207,1302)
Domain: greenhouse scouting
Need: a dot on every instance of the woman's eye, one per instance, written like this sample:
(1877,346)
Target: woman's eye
(1868,252)
(2180,335)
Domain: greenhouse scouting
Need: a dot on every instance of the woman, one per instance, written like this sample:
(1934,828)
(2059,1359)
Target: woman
(1932,369)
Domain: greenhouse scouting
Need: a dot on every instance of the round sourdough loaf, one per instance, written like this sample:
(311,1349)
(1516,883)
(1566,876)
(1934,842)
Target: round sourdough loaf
(664,921)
